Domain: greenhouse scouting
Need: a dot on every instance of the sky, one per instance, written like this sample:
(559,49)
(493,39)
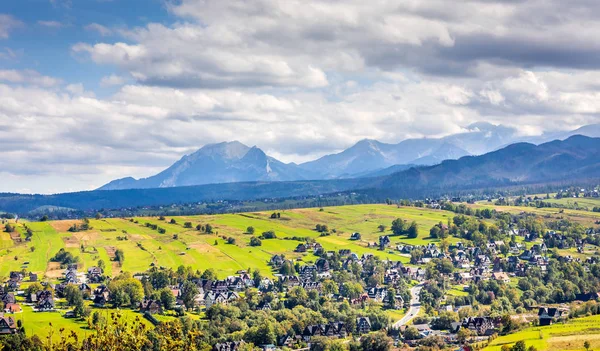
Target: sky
(94,90)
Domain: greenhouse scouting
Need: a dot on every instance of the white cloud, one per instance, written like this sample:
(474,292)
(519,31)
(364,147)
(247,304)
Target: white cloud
(100,29)
(7,24)
(112,80)
(28,77)
(50,24)
(302,78)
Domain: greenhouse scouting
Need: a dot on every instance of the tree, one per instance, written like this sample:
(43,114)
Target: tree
(188,292)
(173,221)
(391,298)
(463,335)
(166,298)
(250,230)
(381,228)
(209,274)
(187,225)
(398,226)
(72,294)
(44,218)
(208,229)
(287,268)
(34,288)
(411,333)
(101,265)
(586,345)
(125,290)
(254,241)
(413,230)
(376,342)
(269,234)
(120,256)
(519,346)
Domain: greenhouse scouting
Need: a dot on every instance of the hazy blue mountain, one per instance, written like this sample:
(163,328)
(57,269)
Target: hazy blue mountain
(571,160)
(227,162)
(372,155)
(577,157)
(235,162)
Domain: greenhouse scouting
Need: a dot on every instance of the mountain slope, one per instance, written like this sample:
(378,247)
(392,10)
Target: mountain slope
(371,155)
(571,160)
(577,157)
(227,162)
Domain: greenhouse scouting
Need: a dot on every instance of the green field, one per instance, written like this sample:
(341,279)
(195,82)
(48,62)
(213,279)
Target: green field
(568,336)
(145,246)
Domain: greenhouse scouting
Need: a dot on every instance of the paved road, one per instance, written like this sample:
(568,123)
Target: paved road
(415,306)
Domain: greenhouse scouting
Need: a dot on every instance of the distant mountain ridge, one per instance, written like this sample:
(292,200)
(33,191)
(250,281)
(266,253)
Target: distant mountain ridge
(577,157)
(231,162)
(227,162)
(574,159)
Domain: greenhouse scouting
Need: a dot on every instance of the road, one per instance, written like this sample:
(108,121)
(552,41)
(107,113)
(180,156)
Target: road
(415,306)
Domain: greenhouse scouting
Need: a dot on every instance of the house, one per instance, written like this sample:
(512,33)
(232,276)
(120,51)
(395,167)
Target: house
(264,306)
(322,265)
(289,281)
(355,236)
(276,261)
(480,325)
(501,276)
(312,330)
(286,340)
(301,248)
(151,306)
(12,308)
(377,294)
(384,241)
(85,289)
(312,286)
(45,304)
(265,285)
(587,296)
(228,346)
(548,315)
(7,298)
(344,252)
(363,325)
(212,298)
(33,277)
(16,276)
(7,326)
(235,284)
(94,275)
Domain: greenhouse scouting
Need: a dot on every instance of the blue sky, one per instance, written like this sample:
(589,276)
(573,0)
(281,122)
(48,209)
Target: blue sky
(47,47)
(94,90)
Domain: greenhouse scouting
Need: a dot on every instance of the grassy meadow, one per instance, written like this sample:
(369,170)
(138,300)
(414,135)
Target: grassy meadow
(185,246)
(567,336)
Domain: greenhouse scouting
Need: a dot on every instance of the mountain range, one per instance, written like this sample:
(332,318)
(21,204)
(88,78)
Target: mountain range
(231,162)
(569,161)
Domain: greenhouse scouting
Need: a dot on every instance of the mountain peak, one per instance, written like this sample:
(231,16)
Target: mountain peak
(228,149)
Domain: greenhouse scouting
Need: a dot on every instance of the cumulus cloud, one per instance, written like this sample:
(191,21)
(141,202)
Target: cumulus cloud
(304,78)
(28,77)
(7,24)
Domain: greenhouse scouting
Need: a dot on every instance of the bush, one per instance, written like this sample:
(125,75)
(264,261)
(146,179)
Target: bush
(269,235)
(254,241)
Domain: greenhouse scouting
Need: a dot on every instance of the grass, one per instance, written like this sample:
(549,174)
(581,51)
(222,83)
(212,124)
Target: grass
(567,336)
(201,251)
